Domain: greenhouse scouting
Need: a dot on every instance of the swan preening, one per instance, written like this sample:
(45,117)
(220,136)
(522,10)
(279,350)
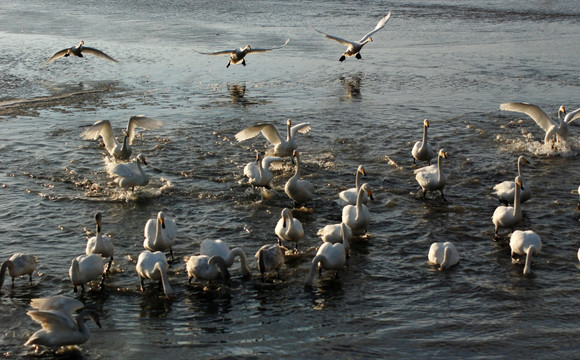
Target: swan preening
(270,258)
(526,243)
(509,216)
(160,234)
(555,129)
(78,50)
(17,265)
(431,177)
(357,217)
(154,266)
(348,196)
(443,254)
(99,244)
(422,150)
(288,228)
(329,257)
(238,55)
(129,175)
(203,267)
(59,326)
(506,190)
(258,172)
(84,269)
(301,191)
(282,147)
(354,47)
(220,248)
(120,151)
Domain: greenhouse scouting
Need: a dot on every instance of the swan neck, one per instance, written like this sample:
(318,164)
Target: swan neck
(439,172)
(5,265)
(167,289)
(357,180)
(517,199)
(317,259)
(359,198)
(424,143)
(531,250)
(243,259)
(221,263)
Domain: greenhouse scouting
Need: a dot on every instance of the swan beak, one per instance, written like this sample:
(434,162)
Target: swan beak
(561,110)
(370,39)
(284,222)
(75,288)
(143,160)
(426,123)
(347,253)
(163,223)
(362,171)
(370,194)
(521,185)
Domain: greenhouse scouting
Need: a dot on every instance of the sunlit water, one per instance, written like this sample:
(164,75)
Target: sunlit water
(450,62)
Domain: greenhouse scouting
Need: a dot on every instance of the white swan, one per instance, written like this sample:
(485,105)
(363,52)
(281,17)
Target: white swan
(556,130)
(348,196)
(129,175)
(578,254)
(422,150)
(99,244)
(258,172)
(358,217)
(509,216)
(59,326)
(78,50)
(84,269)
(160,234)
(443,254)
(354,47)
(220,248)
(17,265)
(526,243)
(336,233)
(329,257)
(282,147)
(238,55)
(289,229)
(506,189)
(119,151)
(431,177)
(203,267)
(301,191)
(270,258)
(154,266)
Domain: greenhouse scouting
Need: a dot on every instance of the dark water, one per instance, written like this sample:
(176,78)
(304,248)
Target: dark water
(451,62)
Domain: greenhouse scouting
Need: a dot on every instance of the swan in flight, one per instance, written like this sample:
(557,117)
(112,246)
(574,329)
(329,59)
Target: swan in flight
(258,172)
(78,50)
(220,248)
(129,175)
(160,234)
(84,269)
(508,216)
(288,228)
(556,130)
(526,243)
(358,217)
(99,244)
(336,233)
(59,326)
(270,258)
(301,191)
(422,150)
(348,196)
(354,47)
(119,151)
(154,266)
(431,177)
(443,254)
(237,56)
(282,147)
(205,268)
(19,264)
(506,190)
(329,257)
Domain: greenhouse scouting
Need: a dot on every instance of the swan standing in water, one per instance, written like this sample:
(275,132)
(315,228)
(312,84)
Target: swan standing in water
(508,216)
(99,244)
(526,243)
(358,217)
(329,257)
(220,248)
(431,177)
(84,269)
(160,234)
(19,264)
(258,172)
(422,150)
(443,254)
(336,233)
(288,228)
(129,175)
(506,190)
(59,326)
(203,267)
(556,130)
(348,196)
(270,258)
(237,56)
(354,47)
(122,151)
(154,266)
(78,50)
(282,147)
(301,191)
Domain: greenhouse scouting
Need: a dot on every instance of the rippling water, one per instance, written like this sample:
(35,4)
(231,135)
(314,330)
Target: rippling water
(452,62)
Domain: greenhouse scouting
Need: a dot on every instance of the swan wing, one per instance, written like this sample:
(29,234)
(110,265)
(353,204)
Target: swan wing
(252,50)
(335,38)
(302,128)
(379,26)
(268,130)
(221,52)
(98,53)
(126,170)
(572,116)
(251,170)
(539,116)
(61,303)
(170,229)
(53,320)
(57,55)
(141,121)
(101,128)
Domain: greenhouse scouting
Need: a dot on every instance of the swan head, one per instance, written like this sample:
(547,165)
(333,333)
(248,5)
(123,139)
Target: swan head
(370,39)
(426,123)
(81,43)
(91,314)
(285,214)
(258,158)
(443,154)
(561,111)
(361,169)
(289,122)
(518,181)
(161,219)
(366,188)
(523,160)
(98,219)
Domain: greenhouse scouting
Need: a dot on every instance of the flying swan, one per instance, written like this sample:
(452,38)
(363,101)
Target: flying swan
(237,56)
(282,147)
(78,50)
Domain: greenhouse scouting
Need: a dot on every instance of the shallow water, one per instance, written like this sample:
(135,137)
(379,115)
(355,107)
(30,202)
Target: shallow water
(451,62)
